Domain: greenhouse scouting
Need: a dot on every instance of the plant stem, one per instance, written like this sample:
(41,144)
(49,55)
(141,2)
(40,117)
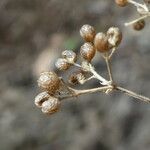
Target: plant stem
(133,94)
(112,52)
(88,91)
(102,80)
(138,4)
(109,68)
(136,20)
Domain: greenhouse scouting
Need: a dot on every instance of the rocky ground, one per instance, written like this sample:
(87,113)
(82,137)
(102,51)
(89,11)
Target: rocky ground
(32,35)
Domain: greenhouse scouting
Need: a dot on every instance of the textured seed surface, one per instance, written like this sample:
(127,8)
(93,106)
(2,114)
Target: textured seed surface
(70,56)
(49,81)
(62,64)
(114,36)
(40,98)
(87,51)
(76,77)
(121,3)
(101,42)
(51,106)
(139,25)
(88,33)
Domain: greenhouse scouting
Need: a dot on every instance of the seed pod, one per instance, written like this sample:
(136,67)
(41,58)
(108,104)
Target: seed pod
(87,32)
(49,81)
(114,36)
(76,77)
(101,42)
(40,98)
(139,25)
(51,106)
(121,3)
(70,56)
(62,64)
(147,1)
(87,51)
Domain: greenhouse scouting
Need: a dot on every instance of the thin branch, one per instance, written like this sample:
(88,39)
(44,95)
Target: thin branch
(91,69)
(107,60)
(133,94)
(77,65)
(77,93)
(136,20)
(112,52)
(138,4)
(88,79)
(102,80)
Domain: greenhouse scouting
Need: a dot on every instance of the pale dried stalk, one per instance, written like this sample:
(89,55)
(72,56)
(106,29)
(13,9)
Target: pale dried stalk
(144,13)
(107,59)
(110,85)
(76,93)
(136,20)
(133,94)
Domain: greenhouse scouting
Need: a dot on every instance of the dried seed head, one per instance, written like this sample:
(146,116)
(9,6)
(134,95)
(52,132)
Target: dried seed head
(121,3)
(147,1)
(88,33)
(62,64)
(76,77)
(49,81)
(87,51)
(139,25)
(101,42)
(51,106)
(70,56)
(114,36)
(40,98)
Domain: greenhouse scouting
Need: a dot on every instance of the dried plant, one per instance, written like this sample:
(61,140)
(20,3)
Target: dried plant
(56,89)
(142,9)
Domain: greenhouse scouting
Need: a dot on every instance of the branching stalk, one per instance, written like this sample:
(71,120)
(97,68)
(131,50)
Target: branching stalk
(77,93)
(144,11)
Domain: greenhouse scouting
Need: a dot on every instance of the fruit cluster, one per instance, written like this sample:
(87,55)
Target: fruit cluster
(55,89)
(101,42)
(49,101)
(49,82)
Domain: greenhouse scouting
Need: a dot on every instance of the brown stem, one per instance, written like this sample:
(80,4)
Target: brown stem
(133,94)
(88,91)
(109,67)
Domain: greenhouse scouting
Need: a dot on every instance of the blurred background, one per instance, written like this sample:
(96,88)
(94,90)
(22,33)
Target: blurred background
(32,35)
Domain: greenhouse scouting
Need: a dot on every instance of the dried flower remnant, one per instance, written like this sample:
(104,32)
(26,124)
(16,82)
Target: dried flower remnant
(121,3)
(70,56)
(87,32)
(40,98)
(51,106)
(49,81)
(139,25)
(114,36)
(106,44)
(87,51)
(101,42)
(62,64)
(77,77)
